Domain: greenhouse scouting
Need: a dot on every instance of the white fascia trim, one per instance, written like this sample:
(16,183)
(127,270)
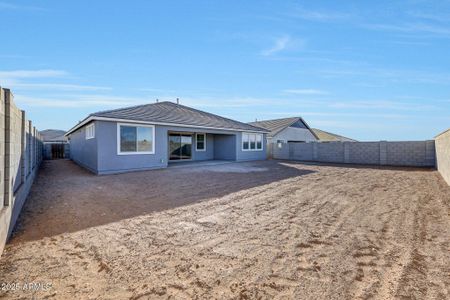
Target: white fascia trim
(94,118)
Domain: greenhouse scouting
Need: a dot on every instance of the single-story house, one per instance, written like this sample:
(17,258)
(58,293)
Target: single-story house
(325,136)
(153,135)
(287,130)
(55,144)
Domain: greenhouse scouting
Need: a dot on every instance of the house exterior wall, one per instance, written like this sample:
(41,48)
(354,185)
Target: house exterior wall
(294,134)
(210,146)
(225,147)
(100,153)
(84,152)
(242,155)
(110,162)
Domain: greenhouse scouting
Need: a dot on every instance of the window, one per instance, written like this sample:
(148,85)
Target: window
(245,141)
(252,142)
(134,139)
(90,131)
(200,140)
(259,141)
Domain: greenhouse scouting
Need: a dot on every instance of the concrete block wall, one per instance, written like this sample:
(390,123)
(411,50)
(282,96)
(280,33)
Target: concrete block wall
(330,152)
(442,142)
(363,152)
(409,153)
(301,151)
(280,152)
(20,157)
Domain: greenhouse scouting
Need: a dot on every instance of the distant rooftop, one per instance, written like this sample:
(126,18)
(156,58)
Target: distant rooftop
(277,125)
(53,135)
(325,136)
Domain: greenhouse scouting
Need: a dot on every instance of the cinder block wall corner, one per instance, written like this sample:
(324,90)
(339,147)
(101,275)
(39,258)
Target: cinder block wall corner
(20,158)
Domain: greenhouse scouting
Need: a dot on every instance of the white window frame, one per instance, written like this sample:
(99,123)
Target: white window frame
(135,152)
(204,142)
(249,134)
(262,139)
(245,134)
(90,131)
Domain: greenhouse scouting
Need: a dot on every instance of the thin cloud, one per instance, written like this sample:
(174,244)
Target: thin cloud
(391,105)
(59,86)
(339,114)
(20,74)
(80,101)
(327,123)
(279,45)
(319,16)
(231,102)
(305,92)
(428,16)
(10,6)
(393,75)
(412,28)
(13,56)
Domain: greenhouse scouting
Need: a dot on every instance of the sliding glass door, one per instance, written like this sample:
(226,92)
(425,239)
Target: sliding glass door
(180,146)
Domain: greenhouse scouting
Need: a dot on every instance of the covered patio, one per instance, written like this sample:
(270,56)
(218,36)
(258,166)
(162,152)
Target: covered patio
(188,146)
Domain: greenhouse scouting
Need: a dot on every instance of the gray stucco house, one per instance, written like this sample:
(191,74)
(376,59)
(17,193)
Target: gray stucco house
(153,135)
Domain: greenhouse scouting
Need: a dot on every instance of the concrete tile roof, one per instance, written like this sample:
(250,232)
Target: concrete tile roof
(276,125)
(169,112)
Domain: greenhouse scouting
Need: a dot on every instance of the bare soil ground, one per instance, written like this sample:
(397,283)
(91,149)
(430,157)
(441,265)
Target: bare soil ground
(269,229)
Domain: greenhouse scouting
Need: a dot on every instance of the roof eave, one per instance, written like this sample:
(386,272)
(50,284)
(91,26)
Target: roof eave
(96,118)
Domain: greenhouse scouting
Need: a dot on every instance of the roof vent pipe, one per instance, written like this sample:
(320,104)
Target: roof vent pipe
(178,101)
(157,100)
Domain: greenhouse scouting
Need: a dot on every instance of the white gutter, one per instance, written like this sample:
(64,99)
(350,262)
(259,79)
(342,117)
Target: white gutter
(94,118)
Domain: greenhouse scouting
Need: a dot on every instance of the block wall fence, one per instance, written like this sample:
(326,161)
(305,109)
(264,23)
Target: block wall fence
(409,153)
(443,154)
(20,157)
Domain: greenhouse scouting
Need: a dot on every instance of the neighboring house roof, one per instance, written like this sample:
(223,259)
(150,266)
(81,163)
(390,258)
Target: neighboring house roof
(325,136)
(275,126)
(168,113)
(53,135)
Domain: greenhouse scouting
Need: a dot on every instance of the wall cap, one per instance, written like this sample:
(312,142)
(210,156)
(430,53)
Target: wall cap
(442,133)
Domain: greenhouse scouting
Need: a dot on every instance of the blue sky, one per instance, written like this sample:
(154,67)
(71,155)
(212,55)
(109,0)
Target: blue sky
(369,70)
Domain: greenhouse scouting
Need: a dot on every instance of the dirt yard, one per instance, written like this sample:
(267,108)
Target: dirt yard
(252,230)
